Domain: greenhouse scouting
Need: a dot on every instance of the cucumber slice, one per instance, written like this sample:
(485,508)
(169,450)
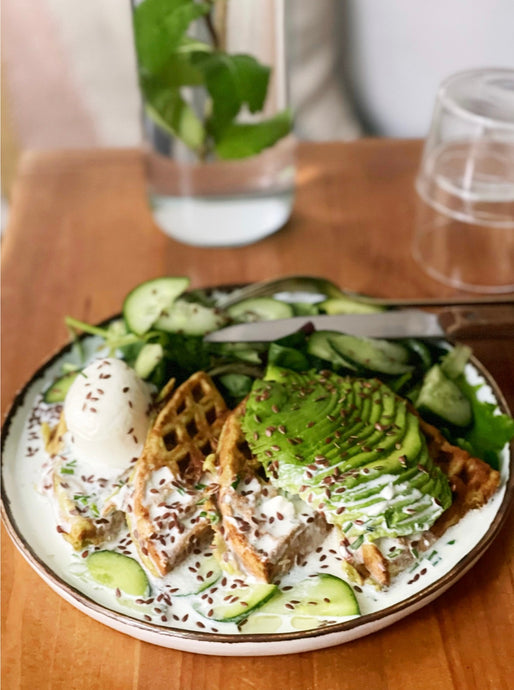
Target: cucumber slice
(320,596)
(117,571)
(241,351)
(57,391)
(190,318)
(260,309)
(320,345)
(441,396)
(263,623)
(346,305)
(372,354)
(454,362)
(233,605)
(148,358)
(304,309)
(144,304)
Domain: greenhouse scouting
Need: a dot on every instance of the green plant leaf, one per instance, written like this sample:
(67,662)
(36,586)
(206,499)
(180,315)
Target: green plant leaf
(159,26)
(180,71)
(167,107)
(232,81)
(222,83)
(242,140)
(253,80)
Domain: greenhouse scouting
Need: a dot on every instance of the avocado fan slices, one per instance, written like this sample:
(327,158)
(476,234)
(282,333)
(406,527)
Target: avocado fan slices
(349,447)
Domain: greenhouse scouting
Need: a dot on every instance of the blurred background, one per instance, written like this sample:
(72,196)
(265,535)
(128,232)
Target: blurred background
(358,68)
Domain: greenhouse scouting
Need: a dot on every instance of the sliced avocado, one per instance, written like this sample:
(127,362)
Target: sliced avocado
(349,447)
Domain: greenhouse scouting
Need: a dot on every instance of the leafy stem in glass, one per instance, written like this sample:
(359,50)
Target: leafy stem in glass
(192,87)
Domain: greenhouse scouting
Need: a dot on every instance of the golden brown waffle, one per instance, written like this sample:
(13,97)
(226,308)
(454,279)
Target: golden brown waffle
(266,531)
(170,509)
(472,480)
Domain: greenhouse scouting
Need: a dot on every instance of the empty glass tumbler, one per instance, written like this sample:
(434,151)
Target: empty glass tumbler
(464,233)
(218,129)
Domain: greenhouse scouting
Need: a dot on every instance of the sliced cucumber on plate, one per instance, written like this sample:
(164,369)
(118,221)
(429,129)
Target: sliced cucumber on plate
(59,388)
(441,396)
(118,571)
(318,596)
(145,303)
(233,605)
(260,309)
(190,318)
(148,358)
(347,305)
(321,345)
(359,353)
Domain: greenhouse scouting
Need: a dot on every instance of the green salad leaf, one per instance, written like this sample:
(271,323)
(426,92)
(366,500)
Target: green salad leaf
(490,430)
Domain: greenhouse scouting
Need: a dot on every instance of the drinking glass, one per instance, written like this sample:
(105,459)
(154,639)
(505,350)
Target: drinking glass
(464,228)
(220,150)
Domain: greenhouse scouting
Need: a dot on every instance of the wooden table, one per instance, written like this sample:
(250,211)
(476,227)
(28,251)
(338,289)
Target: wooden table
(80,235)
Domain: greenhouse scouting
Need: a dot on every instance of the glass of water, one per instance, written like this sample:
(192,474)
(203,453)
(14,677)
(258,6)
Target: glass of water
(218,129)
(464,228)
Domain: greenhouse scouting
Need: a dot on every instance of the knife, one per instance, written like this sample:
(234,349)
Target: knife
(467,323)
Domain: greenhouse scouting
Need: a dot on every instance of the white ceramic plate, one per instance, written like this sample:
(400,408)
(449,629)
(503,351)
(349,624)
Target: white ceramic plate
(30,521)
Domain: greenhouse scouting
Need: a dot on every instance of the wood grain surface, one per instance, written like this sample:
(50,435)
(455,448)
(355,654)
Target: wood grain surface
(80,236)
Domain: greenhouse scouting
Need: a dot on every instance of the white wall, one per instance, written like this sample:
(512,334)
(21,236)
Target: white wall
(400,50)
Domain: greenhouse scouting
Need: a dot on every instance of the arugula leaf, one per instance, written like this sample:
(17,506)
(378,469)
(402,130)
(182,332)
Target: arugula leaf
(490,431)
(167,107)
(242,140)
(159,26)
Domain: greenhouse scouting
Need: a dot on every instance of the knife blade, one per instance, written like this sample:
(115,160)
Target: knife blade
(494,321)
(405,323)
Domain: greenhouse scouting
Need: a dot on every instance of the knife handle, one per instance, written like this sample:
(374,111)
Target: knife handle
(478,322)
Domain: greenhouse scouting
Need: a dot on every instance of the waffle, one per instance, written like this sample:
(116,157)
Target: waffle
(472,480)
(170,509)
(267,531)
